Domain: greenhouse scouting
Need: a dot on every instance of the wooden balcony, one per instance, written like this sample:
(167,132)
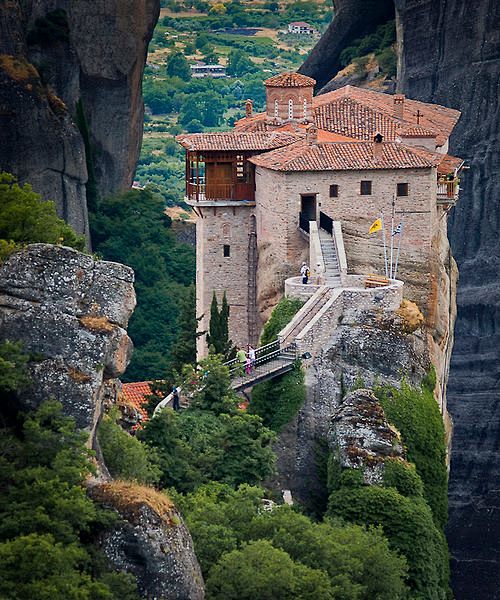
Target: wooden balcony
(213,192)
(447,191)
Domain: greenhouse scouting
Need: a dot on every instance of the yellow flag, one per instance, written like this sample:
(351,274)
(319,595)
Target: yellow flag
(375,226)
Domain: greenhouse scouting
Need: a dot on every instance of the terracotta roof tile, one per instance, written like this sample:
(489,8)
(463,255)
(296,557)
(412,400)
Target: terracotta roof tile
(340,156)
(236,140)
(290,80)
(416,131)
(449,164)
(136,395)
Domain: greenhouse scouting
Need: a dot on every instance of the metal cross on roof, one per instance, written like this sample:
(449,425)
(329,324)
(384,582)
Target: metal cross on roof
(418,114)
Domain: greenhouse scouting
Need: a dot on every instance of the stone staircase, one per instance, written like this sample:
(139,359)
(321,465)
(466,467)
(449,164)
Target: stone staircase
(330,258)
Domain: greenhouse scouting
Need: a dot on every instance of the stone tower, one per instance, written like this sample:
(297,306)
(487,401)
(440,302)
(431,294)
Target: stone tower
(289,97)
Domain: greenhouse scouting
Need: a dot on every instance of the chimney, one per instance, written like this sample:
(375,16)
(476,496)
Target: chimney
(248,108)
(399,106)
(377,146)
(311,134)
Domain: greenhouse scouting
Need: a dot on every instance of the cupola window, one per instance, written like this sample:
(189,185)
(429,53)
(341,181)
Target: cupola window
(290,109)
(276,109)
(305,108)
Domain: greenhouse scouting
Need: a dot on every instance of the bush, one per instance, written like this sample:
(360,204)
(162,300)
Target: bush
(280,317)
(408,525)
(26,219)
(279,400)
(416,415)
(125,456)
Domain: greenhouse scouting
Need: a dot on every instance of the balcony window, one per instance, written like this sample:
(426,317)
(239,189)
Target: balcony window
(334,191)
(365,188)
(402,189)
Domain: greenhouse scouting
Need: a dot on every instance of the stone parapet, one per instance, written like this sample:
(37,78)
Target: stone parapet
(294,288)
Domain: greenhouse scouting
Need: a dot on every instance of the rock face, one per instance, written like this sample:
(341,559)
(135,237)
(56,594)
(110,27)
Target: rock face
(356,354)
(361,437)
(150,541)
(70,313)
(88,62)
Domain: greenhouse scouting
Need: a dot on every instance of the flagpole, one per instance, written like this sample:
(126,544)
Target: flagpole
(399,246)
(392,236)
(383,239)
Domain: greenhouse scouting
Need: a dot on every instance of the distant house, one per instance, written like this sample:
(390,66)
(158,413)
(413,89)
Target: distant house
(301,28)
(208,71)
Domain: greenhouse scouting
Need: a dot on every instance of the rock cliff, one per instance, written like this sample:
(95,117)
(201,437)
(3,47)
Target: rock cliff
(355,354)
(448,53)
(70,312)
(68,62)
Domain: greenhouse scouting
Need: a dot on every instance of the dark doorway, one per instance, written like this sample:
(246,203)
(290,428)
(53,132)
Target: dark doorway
(308,206)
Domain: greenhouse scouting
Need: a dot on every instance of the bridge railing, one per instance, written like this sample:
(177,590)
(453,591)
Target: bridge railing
(263,355)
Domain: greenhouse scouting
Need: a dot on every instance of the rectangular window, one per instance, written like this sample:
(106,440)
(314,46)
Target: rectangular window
(334,191)
(402,189)
(227,250)
(365,188)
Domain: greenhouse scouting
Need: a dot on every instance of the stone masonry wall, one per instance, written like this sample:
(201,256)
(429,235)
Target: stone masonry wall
(283,95)
(221,226)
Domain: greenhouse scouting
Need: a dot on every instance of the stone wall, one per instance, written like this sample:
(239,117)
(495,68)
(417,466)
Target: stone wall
(283,95)
(220,226)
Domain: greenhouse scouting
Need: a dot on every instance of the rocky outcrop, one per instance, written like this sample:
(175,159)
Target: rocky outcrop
(366,348)
(361,437)
(151,541)
(86,62)
(70,313)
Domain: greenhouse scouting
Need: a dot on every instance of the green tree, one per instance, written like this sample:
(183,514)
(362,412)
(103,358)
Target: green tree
(239,63)
(184,347)
(125,456)
(282,314)
(26,219)
(13,367)
(261,571)
(218,333)
(178,66)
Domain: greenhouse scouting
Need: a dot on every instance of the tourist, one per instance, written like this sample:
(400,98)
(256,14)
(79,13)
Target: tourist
(252,355)
(241,357)
(175,399)
(304,271)
(248,365)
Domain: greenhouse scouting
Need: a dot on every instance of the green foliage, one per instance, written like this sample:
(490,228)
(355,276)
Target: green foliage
(357,563)
(403,476)
(25,219)
(218,334)
(183,351)
(280,317)
(239,64)
(124,455)
(132,228)
(45,513)
(408,525)
(13,367)
(279,400)
(416,415)
(213,390)
(380,42)
(177,66)
(261,571)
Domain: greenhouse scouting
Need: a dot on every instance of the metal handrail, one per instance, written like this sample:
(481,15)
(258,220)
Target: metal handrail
(267,354)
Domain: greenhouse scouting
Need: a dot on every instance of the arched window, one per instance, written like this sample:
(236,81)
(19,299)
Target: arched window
(226,230)
(276,109)
(290,109)
(305,108)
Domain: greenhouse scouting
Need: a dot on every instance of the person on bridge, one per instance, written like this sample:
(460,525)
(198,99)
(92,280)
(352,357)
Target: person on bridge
(175,399)
(241,357)
(252,355)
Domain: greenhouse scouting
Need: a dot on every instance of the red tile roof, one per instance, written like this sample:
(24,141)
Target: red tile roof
(360,113)
(340,156)
(136,395)
(236,140)
(290,80)
(449,164)
(416,131)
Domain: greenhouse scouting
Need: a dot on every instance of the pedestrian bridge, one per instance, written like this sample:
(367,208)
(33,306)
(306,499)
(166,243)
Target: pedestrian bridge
(271,360)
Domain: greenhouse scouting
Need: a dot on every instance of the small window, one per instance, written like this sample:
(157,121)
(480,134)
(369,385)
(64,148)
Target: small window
(402,189)
(276,108)
(365,188)
(334,191)
(227,250)
(305,108)
(290,109)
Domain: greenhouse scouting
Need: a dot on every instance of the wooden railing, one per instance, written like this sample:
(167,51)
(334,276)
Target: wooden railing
(447,190)
(199,192)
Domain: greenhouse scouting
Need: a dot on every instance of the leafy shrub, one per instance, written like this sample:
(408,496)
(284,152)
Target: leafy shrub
(125,456)
(280,317)
(403,477)
(26,219)
(416,415)
(279,400)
